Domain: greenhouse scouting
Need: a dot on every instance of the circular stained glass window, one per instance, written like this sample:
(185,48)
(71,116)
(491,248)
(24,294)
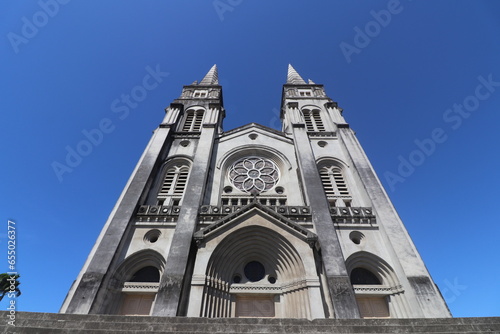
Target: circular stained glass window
(254,174)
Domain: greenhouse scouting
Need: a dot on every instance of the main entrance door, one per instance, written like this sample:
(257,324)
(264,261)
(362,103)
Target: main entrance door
(255,306)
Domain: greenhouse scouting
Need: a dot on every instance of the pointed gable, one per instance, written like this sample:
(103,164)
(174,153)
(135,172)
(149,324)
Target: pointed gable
(232,220)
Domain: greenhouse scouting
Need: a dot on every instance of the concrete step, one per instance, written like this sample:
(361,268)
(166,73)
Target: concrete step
(32,316)
(219,327)
(41,323)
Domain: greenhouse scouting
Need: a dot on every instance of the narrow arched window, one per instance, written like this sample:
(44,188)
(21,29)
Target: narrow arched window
(334,183)
(369,306)
(308,120)
(193,120)
(313,121)
(140,301)
(318,122)
(173,185)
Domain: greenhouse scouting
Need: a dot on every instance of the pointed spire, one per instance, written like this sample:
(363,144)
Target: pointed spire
(212,77)
(293,77)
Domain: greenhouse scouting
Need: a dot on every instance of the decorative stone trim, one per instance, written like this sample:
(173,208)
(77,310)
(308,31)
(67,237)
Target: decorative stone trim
(158,210)
(155,221)
(377,289)
(140,286)
(185,134)
(287,211)
(254,289)
(322,134)
(353,215)
(307,235)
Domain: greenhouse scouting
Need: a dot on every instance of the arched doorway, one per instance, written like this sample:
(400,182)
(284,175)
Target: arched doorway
(255,272)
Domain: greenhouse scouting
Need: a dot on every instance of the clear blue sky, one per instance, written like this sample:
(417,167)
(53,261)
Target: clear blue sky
(398,79)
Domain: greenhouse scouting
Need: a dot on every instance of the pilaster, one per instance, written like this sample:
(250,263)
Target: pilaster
(425,300)
(81,298)
(169,296)
(339,285)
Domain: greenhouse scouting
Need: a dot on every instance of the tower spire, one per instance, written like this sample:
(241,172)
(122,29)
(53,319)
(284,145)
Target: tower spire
(212,77)
(293,77)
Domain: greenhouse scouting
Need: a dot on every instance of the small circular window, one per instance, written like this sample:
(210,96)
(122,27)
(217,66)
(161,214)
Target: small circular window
(356,237)
(322,143)
(254,271)
(152,236)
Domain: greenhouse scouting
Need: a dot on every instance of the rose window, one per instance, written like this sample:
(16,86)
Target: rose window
(254,174)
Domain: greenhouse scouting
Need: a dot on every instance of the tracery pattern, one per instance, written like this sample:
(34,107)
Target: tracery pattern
(254,174)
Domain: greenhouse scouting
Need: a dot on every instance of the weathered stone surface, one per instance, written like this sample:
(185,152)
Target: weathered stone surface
(42,323)
(319,183)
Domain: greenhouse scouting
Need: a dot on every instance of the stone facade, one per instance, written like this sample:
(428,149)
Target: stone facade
(255,222)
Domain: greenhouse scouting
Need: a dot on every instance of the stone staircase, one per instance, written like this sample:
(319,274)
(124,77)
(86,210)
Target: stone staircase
(53,323)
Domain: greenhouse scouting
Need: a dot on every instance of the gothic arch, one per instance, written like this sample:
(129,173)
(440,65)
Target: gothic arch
(196,107)
(390,292)
(375,265)
(325,161)
(128,291)
(250,150)
(335,181)
(284,278)
(172,171)
(192,119)
(137,261)
(313,118)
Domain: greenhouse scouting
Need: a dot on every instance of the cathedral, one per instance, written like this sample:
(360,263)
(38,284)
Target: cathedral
(255,222)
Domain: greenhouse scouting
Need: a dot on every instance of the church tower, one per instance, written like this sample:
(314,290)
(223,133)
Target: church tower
(255,222)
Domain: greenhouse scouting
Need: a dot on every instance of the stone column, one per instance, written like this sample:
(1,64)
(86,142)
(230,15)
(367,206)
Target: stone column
(171,286)
(339,285)
(82,298)
(423,297)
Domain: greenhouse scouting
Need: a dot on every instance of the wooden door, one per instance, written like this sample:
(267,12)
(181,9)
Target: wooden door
(373,307)
(137,304)
(255,306)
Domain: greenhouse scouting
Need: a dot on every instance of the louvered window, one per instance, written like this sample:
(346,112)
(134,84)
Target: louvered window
(193,121)
(313,120)
(308,121)
(327,182)
(318,121)
(174,185)
(334,183)
(197,121)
